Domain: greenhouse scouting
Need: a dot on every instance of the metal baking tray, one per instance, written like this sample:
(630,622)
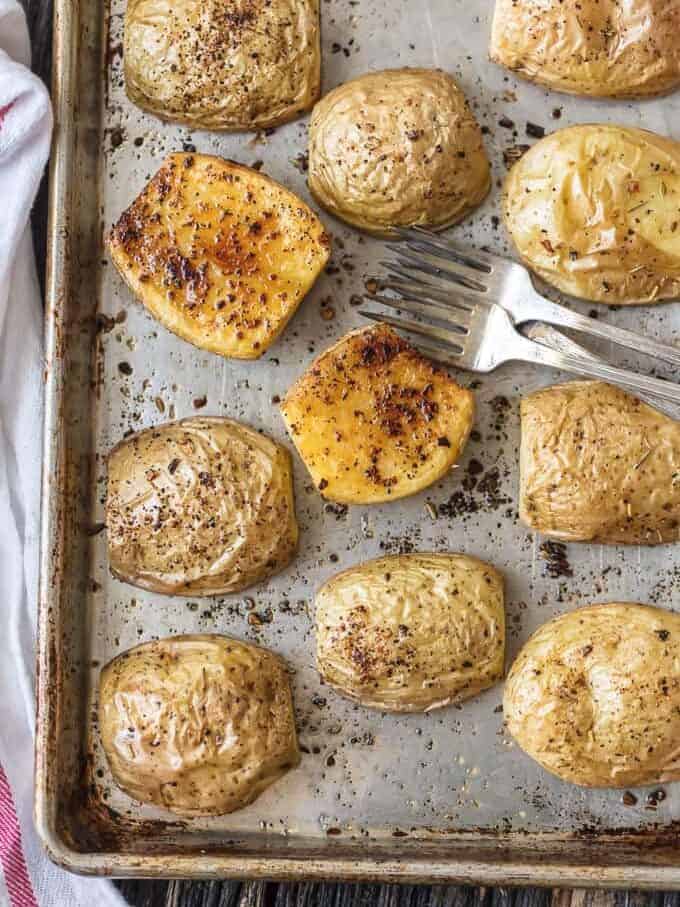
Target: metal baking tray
(437,797)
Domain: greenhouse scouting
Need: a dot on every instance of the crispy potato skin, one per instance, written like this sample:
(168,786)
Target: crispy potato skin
(397,148)
(375,421)
(594,696)
(200,725)
(597,465)
(593,210)
(220,254)
(239,65)
(410,633)
(203,506)
(596,47)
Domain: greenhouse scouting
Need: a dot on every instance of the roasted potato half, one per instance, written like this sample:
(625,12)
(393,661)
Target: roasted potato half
(594,696)
(220,254)
(397,148)
(203,506)
(594,210)
(594,47)
(200,725)
(597,465)
(410,633)
(223,65)
(375,421)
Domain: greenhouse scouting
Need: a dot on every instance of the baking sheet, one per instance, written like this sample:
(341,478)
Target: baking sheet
(364,775)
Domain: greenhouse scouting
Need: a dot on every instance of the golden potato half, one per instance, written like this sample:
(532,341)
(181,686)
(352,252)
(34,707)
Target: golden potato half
(410,633)
(374,421)
(397,148)
(222,65)
(594,47)
(219,253)
(595,211)
(203,506)
(597,465)
(200,725)
(594,696)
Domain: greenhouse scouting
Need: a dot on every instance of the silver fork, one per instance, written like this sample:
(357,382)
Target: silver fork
(447,269)
(550,336)
(480,336)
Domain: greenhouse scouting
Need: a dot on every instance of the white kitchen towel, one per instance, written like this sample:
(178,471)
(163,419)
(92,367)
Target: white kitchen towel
(27,878)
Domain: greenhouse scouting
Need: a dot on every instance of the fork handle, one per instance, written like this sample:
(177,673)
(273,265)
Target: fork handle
(560,316)
(636,383)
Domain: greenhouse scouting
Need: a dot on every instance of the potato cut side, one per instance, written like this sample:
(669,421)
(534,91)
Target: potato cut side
(219,253)
(374,420)
(409,633)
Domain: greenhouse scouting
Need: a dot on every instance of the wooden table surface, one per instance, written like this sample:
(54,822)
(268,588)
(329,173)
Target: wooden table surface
(182,893)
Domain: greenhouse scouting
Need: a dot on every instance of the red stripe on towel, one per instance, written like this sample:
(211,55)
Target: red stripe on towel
(11,853)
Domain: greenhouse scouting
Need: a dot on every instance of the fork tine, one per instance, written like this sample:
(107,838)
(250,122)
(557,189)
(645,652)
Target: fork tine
(416,307)
(459,273)
(439,354)
(473,258)
(424,291)
(429,288)
(415,327)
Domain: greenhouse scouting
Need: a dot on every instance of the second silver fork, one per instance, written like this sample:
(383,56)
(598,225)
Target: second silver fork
(479,336)
(468,275)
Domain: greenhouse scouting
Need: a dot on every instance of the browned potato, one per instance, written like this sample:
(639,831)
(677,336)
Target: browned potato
(199,507)
(594,696)
(593,47)
(200,725)
(410,633)
(597,465)
(397,148)
(223,65)
(594,210)
(220,254)
(375,421)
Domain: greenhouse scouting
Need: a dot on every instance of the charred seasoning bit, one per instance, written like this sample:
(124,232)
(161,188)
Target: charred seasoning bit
(629,799)
(513,153)
(200,402)
(655,797)
(117,137)
(535,131)
(125,368)
(338,510)
(555,554)
(301,162)
(506,123)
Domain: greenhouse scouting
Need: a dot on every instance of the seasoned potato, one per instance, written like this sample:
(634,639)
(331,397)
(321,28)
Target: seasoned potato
(594,696)
(241,64)
(397,148)
(594,47)
(219,253)
(597,465)
(594,210)
(375,421)
(409,633)
(203,506)
(200,725)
